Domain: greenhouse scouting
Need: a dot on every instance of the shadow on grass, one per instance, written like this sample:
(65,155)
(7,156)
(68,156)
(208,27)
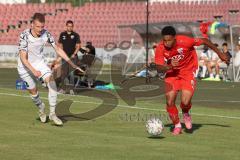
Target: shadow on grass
(156,137)
(195,127)
(109,103)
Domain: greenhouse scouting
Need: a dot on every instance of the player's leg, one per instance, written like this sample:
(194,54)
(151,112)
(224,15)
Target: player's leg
(217,68)
(32,89)
(52,97)
(171,106)
(186,105)
(210,65)
(171,95)
(186,97)
(200,66)
(188,85)
(204,69)
(52,90)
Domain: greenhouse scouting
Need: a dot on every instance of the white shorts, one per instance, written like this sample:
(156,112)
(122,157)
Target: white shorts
(30,79)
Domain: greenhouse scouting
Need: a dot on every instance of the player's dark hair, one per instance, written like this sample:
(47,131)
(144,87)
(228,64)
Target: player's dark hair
(39,16)
(216,44)
(224,44)
(69,22)
(89,43)
(168,30)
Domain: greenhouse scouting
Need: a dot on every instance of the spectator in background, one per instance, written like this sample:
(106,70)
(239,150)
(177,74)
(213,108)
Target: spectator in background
(88,56)
(70,42)
(237,56)
(213,62)
(225,49)
(86,62)
(88,52)
(223,66)
(203,60)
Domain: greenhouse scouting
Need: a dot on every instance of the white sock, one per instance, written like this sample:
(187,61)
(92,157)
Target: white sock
(52,109)
(217,76)
(178,125)
(42,108)
(211,75)
(38,102)
(52,94)
(204,70)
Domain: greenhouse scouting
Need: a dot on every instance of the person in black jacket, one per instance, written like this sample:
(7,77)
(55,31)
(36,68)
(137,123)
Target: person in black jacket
(70,42)
(86,62)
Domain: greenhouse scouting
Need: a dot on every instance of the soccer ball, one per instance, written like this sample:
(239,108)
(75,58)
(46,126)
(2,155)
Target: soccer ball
(154,126)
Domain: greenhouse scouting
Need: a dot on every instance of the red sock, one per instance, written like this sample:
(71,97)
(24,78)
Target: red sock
(173,114)
(186,108)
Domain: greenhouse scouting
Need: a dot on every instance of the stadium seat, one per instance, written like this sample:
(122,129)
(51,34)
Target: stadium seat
(105,17)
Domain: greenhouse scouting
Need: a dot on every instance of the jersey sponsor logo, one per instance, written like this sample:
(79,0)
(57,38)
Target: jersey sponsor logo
(180,54)
(63,37)
(178,57)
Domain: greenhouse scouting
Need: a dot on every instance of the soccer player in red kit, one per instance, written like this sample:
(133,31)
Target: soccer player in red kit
(176,56)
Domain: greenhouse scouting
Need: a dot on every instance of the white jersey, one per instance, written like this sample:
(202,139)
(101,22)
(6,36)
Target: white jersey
(210,55)
(33,47)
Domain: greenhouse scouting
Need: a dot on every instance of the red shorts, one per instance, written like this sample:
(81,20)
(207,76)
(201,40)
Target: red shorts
(176,82)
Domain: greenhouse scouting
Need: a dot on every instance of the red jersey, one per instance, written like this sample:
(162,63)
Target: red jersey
(183,50)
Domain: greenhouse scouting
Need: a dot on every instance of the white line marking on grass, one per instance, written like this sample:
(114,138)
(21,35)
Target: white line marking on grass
(213,115)
(194,100)
(125,106)
(213,88)
(209,100)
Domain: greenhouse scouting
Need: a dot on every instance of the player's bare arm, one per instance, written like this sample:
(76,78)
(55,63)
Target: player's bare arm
(165,67)
(221,55)
(63,55)
(60,45)
(161,68)
(24,59)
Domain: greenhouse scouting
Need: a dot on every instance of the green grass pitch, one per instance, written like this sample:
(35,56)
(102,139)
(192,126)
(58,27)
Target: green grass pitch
(120,134)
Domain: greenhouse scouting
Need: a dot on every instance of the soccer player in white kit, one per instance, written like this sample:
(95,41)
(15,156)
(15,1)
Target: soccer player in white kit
(32,67)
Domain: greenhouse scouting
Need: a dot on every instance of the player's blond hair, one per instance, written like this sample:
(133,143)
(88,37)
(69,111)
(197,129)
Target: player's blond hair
(39,16)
